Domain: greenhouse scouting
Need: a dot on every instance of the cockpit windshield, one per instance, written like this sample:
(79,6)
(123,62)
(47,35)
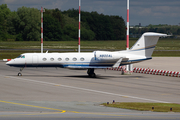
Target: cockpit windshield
(21,56)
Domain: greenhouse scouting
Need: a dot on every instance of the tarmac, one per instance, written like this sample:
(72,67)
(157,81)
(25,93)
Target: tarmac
(50,93)
(161,63)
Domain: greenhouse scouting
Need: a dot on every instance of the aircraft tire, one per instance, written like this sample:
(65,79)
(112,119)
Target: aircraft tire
(19,74)
(93,75)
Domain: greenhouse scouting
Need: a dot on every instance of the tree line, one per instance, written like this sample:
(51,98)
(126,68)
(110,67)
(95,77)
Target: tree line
(25,25)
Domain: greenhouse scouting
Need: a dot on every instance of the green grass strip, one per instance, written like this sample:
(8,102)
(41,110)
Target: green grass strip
(34,46)
(158,107)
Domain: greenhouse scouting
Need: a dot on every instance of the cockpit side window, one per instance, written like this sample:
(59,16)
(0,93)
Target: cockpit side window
(21,56)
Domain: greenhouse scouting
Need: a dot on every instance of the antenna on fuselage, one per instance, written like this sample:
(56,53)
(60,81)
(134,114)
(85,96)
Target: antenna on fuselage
(79,33)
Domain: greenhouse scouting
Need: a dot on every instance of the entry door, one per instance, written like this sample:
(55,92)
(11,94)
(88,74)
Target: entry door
(35,60)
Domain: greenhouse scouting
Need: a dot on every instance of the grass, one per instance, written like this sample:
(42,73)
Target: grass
(114,45)
(11,54)
(158,107)
(166,54)
(168,44)
(163,44)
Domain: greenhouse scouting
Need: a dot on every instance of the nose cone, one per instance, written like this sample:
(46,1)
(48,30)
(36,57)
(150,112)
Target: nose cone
(10,63)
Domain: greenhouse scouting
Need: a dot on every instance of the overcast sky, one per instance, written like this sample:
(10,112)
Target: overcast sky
(141,11)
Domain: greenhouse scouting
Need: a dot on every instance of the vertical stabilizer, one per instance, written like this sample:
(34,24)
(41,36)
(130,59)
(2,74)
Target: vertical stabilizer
(146,44)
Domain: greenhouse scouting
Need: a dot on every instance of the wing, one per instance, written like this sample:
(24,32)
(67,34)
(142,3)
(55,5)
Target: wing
(117,64)
(86,67)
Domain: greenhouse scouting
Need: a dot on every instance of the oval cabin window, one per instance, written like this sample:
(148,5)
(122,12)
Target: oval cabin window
(67,59)
(74,59)
(44,59)
(82,59)
(59,59)
(52,59)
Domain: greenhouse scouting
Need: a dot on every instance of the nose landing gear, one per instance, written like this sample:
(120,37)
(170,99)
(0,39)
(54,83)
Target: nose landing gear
(20,74)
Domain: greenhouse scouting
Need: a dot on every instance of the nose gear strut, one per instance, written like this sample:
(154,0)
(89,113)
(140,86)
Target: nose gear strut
(20,74)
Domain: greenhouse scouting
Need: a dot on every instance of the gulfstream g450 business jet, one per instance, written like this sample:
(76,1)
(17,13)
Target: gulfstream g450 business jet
(142,50)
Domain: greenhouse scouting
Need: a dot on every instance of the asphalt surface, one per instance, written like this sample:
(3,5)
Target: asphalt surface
(161,63)
(50,93)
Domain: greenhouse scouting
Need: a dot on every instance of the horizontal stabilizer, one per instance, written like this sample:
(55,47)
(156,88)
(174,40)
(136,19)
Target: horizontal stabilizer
(155,34)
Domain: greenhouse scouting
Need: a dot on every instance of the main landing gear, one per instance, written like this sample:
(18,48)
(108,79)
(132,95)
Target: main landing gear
(91,73)
(20,74)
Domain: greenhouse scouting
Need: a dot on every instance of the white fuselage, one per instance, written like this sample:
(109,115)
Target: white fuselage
(97,59)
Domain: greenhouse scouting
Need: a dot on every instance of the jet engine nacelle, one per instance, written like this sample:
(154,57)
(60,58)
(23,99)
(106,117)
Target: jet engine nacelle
(104,55)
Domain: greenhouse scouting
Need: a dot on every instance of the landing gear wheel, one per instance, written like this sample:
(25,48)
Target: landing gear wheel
(19,74)
(91,73)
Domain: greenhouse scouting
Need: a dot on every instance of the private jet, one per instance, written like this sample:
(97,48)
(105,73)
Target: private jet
(140,51)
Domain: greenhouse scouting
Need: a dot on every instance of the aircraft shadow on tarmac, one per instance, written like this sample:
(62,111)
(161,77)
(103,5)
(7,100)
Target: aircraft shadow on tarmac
(75,76)
(86,76)
(104,77)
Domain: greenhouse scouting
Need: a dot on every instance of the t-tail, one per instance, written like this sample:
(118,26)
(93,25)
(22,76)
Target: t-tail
(146,44)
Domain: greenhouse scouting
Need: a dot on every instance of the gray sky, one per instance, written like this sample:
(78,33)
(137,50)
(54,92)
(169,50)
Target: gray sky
(141,11)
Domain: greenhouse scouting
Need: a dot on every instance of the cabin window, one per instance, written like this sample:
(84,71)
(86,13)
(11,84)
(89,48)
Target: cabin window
(44,59)
(59,59)
(74,59)
(52,59)
(67,59)
(82,59)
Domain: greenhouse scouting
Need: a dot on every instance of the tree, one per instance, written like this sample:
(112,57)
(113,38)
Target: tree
(119,28)
(178,31)
(87,34)
(105,27)
(71,27)
(4,12)
(27,24)
(11,22)
(71,31)
(52,29)
(56,13)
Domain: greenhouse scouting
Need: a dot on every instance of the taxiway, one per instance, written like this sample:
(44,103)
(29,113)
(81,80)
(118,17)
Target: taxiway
(50,93)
